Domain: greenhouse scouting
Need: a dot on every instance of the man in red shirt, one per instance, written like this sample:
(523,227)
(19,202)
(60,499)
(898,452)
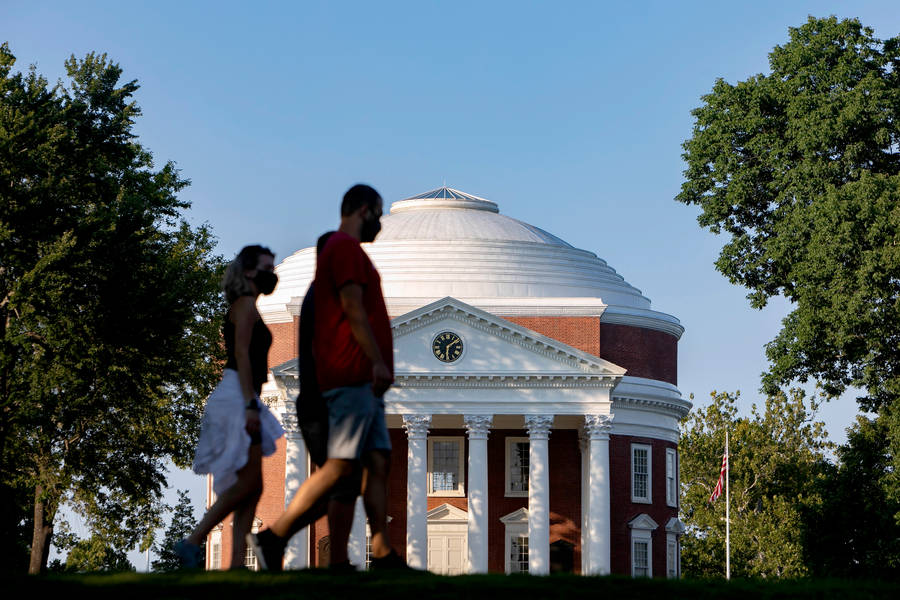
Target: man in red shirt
(353,351)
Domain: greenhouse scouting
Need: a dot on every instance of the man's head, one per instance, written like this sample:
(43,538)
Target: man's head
(361,209)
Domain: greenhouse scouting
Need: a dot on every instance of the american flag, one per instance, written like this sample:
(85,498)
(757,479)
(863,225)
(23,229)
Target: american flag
(718,491)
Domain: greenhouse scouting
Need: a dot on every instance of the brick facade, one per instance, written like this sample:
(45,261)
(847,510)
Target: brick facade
(644,352)
(623,510)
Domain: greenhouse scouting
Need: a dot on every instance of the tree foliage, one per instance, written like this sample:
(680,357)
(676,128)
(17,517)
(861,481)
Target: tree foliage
(183,522)
(777,467)
(801,169)
(109,305)
(96,554)
(855,534)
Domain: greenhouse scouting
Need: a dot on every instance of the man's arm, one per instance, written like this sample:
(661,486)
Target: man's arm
(352,304)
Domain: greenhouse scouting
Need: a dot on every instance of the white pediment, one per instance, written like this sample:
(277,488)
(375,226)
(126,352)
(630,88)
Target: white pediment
(674,525)
(447,513)
(643,521)
(492,347)
(517,517)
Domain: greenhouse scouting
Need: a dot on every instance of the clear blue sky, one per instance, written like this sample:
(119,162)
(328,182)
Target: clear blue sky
(569,115)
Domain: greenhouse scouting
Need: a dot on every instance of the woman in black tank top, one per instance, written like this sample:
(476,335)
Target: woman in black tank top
(237,429)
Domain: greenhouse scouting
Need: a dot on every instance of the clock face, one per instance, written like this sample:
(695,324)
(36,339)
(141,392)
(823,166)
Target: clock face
(447,346)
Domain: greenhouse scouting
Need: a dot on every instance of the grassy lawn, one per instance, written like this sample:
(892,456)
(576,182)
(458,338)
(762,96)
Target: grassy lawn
(423,586)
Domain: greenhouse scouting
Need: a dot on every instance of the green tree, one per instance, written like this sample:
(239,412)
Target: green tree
(776,469)
(183,522)
(801,169)
(96,554)
(855,533)
(109,307)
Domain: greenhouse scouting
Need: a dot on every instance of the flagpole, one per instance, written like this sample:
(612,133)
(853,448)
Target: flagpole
(727,511)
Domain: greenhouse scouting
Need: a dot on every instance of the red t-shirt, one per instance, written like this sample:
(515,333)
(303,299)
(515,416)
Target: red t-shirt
(340,360)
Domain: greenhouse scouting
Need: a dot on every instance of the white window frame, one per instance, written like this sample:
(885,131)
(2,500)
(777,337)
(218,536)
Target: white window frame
(215,550)
(460,490)
(642,528)
(673,557)
(516,526)
(672,477)
(648,499)
(674,531)
(638,539)
(250,560)
(510,493)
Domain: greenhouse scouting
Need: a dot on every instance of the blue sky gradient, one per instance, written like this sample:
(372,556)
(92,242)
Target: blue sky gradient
(569,115)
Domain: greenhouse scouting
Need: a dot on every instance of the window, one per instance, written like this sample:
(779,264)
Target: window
(250,556)
(215,551)
(674,531)
(672,566)
(671,477)
(642,528)
(518,554)
(368,548)
(640,558)
(516,524)
(517,466)
(445,466)
(640,473)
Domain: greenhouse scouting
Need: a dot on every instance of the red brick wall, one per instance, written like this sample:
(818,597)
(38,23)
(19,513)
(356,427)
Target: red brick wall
(284,342)
(579,332)
(623,510)
(644,352)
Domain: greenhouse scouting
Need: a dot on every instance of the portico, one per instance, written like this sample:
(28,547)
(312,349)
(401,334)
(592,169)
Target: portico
(508,378)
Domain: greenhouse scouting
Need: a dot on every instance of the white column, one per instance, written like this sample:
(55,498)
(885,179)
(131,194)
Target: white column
(356,545)
(416,499)
(296,470)
(584,446)
(538,494)
(597,428)
(478,427)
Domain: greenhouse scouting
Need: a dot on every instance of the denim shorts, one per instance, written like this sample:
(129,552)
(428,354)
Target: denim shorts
(356,422)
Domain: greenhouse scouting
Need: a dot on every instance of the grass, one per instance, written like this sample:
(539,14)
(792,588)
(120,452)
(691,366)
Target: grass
(422,586)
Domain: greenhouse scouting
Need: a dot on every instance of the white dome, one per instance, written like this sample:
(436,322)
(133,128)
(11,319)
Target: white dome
(448,243)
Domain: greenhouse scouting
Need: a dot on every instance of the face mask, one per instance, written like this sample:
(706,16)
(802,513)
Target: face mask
(370,229)
(265,281)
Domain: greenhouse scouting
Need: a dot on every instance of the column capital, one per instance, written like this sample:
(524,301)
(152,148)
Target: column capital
(290,423)
(597,427)
(416,426)
(539,426)
(478,426)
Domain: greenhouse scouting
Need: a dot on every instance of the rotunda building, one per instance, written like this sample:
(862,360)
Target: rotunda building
(534,418)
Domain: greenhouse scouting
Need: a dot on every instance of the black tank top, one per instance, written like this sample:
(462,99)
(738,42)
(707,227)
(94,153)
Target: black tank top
(260,340)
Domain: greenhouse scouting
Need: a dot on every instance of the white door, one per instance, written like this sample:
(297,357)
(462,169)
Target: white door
(447,553)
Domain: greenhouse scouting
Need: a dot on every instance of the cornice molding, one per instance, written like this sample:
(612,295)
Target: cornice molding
(513,307)
(504,381)
(645,319)
(664,407)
